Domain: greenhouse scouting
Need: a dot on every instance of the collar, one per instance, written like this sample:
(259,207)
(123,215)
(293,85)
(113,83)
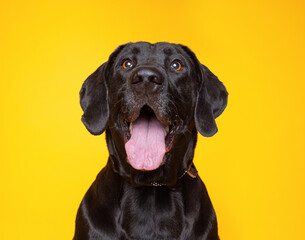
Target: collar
(191,171)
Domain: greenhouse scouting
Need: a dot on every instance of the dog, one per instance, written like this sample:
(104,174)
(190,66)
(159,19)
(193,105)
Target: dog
(151,99)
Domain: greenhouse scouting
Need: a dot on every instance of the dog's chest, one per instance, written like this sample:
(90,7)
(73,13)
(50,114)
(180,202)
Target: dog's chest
(152,213)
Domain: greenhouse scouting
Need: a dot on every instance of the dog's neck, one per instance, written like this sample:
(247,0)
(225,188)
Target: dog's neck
(191,171)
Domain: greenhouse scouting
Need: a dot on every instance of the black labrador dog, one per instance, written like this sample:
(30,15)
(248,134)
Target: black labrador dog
(151,99)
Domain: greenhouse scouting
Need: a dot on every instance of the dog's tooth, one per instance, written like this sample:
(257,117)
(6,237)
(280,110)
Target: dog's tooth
(166,130)
(130,128)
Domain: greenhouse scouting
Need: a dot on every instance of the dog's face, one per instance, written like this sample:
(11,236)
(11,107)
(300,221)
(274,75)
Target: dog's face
(152,99)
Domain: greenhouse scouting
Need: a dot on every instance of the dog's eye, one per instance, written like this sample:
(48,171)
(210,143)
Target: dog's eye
(127,64)
(176,65)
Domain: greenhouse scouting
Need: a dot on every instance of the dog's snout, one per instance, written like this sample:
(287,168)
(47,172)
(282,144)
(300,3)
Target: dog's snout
(146,75)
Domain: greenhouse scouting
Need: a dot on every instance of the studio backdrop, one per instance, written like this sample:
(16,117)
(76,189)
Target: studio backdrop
(253,167)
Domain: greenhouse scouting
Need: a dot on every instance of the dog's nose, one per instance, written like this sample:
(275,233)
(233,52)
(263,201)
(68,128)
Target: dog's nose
(146,75)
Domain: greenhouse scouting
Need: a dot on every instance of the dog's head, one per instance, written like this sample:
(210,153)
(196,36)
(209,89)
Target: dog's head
(151,99)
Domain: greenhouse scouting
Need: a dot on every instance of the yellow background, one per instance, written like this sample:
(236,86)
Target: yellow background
(253,167)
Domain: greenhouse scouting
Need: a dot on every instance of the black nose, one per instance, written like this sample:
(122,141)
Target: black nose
(146,75)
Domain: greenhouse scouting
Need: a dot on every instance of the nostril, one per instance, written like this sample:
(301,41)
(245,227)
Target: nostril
(155,79)
(137,79)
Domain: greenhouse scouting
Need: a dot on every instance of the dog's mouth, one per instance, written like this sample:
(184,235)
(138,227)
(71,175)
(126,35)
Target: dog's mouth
(147,139)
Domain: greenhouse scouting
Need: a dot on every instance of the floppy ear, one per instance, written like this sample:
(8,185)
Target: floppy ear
(212,99)
(94,96)
(94,101)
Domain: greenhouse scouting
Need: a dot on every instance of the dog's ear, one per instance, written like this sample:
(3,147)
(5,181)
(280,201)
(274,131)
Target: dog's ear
(212,99)
(94,97)
(94,101)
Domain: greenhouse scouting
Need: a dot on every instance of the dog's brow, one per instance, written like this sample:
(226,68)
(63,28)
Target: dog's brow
(135,50)
(168,51)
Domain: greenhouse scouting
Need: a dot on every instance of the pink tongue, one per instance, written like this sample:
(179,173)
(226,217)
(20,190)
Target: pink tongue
(146,147)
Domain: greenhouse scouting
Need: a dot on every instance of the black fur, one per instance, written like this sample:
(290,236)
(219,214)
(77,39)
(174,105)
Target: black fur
(165,203)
